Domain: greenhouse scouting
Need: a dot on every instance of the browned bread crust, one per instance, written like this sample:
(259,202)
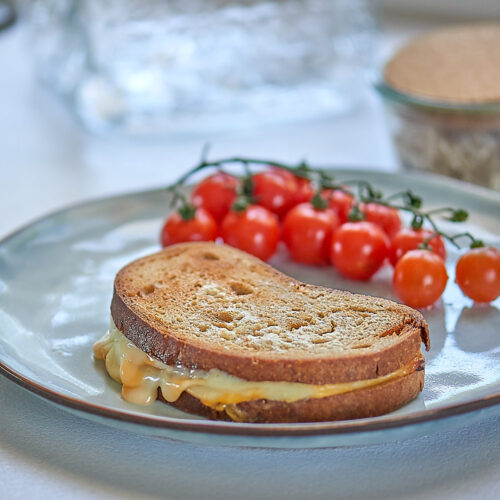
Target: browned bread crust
(169,346)
(371,402)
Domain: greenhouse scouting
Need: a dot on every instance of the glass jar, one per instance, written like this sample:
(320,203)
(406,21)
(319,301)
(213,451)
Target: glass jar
(457,140)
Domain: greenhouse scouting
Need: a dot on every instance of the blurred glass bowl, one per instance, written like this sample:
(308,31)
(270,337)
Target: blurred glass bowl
(183,66)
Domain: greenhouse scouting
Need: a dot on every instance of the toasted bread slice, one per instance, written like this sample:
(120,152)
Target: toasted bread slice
(205,307)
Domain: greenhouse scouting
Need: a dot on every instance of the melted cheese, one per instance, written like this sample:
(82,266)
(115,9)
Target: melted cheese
(141,376)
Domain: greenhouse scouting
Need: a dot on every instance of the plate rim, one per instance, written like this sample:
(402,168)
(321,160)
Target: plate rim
(255,429)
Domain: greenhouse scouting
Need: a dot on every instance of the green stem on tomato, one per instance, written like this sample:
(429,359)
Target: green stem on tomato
(474,243)
(455,215)
(186,210)
(356,214)
(408,196)
(302,169)
(318,202)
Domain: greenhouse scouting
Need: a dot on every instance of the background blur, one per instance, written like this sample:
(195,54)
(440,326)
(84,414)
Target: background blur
(68,134)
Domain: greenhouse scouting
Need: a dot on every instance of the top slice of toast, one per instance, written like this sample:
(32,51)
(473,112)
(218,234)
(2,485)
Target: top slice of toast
(202,305)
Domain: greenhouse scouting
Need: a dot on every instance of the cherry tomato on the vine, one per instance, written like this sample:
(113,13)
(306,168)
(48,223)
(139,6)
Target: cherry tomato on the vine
(275,189)
(201,227)
(478,274)
(419,278)
(409,239)
(385,217)
(305,190)
(307,233)
(340,202)
(358,249)
(216,194)
(254,230)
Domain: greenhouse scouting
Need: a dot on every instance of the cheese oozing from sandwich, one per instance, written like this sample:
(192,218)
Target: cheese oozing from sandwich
(142,375)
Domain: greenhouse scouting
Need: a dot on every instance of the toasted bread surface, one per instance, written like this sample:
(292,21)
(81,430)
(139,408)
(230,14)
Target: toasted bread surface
(204,306)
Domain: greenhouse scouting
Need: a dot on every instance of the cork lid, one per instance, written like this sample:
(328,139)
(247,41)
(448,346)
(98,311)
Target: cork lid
(459,64)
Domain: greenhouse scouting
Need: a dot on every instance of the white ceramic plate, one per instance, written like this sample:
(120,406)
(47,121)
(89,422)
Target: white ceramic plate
(56,280)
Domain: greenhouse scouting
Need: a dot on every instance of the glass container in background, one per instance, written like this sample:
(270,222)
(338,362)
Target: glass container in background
(461,141)
(442,93)
(171,66)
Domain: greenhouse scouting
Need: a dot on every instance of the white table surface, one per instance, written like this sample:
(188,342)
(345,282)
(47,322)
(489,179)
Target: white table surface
(46,162)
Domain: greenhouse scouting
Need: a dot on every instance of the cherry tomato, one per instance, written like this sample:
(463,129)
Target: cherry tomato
(255,230)
(307,233)
(358,249)
(385,217)
(305,190)
(202,227)
(409,239)
(419,278)
(340,202)
(275,189)
(216,194)
(478,274)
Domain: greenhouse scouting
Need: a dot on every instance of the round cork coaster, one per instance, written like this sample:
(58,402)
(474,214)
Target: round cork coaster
(458,64)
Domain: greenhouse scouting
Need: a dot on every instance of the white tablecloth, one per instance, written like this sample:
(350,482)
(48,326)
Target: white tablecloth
(46,162)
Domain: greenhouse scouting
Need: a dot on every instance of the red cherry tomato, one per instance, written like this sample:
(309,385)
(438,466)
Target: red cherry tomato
(255,230)
(307,233)
(201,227)
(409,239)
(305,190)
(385,217)
(275,189)
(419,278)
(340,202)
(358,249)
(478,274)
(216,194)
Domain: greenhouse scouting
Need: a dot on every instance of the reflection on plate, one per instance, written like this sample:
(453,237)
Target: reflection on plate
(55,289)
